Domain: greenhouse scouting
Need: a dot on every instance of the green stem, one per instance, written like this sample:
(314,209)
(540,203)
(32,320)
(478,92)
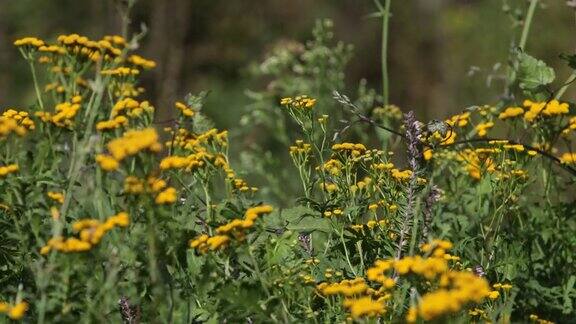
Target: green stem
(522,44)
(385,23)
(36,87)
(527,24)
(208,200)
(258,272)
(346,253)
(77,160)
(562,90)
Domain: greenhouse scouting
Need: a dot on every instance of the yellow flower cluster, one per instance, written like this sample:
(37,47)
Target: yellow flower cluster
(482,128)
(164,195)
(190,162)
(335,212)
(107,163)
(376,273)
(346,287)
(511,112)
(512,147)
(457,290)
(460,120)
(121,71)
(185,110)
(299,102)
(141,62)
(360,299)
(353,149)
(56,196)
(195,142)
(115,123)
(389,111)
(535,318)
(236,228)
(429,267)
(15,312)
(568,158)
(10,125)
(401,175)
(205,243)
(300,148)
(133,185)
(371,224)
(167,196)
(364,307)
(127,89)
(361,185)
(329,187)
(478,161)
(55,86)
(551,108)
(53,49)
(93,50)
(382,166)
(131,143)
(5,170)
(426,267)
(21,117)
(571,126)
(502,286)
(29,41)
(64,113)
(116,40)
(131,108)
(333,167)
(90,231)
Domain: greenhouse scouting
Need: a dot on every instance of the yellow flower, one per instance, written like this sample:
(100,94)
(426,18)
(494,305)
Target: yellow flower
(121,71)
(567,158)
(459,120)
(353,149)
(494,294)
(112,124)
(427,154)
(299,102)
(364,306)
(217,242)
(18,311)
(401,175)
(511,112)
(552,108)
(412,315)
(515,147)
(142,62)
(9,125)
(185,110)
(134,141)
(506,286)
(482,129)
(29,41)
(11,168)
(133,185)
(168,196)
(56,196)
(107,162)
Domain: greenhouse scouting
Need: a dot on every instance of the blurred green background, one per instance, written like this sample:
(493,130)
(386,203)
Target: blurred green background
(443,53)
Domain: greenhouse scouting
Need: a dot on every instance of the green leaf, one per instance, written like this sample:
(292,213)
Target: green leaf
(294,215)
(533,73)
(570,59)
(311,224)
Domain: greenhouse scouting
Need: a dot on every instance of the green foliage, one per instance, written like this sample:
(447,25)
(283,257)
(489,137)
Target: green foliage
(101,221)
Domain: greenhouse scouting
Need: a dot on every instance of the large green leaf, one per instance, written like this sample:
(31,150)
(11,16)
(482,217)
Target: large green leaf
(533,73)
